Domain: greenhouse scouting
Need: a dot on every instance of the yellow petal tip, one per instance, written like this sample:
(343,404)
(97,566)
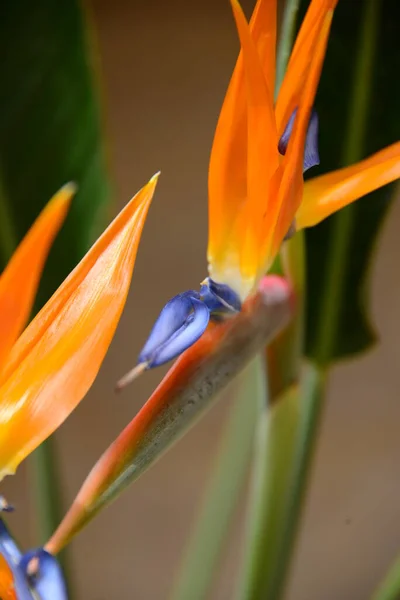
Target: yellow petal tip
(155,177)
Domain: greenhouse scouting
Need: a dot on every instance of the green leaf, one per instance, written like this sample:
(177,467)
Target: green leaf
(49,127)
(49,135)
(370,75)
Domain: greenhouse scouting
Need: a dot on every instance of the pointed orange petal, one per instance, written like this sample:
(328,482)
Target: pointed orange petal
(56,359)
(263,32)
(228,170)
(326,194)
(20,279)
(290,191)
(262,148)
(303,52)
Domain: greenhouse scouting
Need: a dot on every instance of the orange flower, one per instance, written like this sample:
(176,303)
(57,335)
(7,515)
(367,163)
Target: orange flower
(255,193)
(46,371)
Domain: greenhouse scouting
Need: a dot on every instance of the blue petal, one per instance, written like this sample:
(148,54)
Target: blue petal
(8,548)
(311,155)
(185,336)
(171,318)
(48,583)
(12,554)
(181,322)
(219,298)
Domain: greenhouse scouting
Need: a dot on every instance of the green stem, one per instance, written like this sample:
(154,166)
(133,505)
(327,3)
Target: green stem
(220,499)
(389,589)
(310,405)
(286,40)
(285,352)
(46,492)
(269,501)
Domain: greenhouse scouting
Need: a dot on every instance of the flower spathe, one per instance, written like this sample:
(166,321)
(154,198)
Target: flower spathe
(47,371)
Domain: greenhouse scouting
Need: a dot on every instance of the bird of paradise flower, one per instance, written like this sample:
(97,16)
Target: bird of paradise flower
(257,198)
(257,194)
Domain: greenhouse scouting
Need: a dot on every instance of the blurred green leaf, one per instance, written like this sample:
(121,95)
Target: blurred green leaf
(49,135)
(49,127)
(389,589)
(353,331)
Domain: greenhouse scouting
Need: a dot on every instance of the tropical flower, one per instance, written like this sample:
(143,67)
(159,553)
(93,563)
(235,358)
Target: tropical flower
(47,370)
(257,194)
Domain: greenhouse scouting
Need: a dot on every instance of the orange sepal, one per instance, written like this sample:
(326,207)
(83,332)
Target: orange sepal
(328,193)
(228,171)
(20,279)
(262,147)
(56,359)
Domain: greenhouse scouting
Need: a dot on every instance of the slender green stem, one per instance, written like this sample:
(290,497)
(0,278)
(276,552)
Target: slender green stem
(285,352)
(286,39)
(267,514)
(220,499)
(46,492)
(389,589)
(311,405)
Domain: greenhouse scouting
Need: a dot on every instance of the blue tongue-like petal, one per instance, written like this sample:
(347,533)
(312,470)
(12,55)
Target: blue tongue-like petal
(47,581)
(219,297)
(311,155)
(181,323)
(46,584)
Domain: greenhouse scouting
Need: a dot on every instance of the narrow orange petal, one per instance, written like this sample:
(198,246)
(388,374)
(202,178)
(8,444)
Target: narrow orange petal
(302,54)
(262,141)
(290,190)
(228,170)
(20,279)
(263,32)
(326,194)
(56,359)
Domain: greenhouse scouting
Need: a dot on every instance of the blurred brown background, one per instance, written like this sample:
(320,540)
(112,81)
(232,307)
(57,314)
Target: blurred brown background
(165,69)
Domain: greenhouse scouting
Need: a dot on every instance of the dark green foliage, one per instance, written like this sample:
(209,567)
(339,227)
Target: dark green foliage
(49,125)
(354,332)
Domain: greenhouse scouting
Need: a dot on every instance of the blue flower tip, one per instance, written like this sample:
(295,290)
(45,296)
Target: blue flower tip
(311,154)
(220,298)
